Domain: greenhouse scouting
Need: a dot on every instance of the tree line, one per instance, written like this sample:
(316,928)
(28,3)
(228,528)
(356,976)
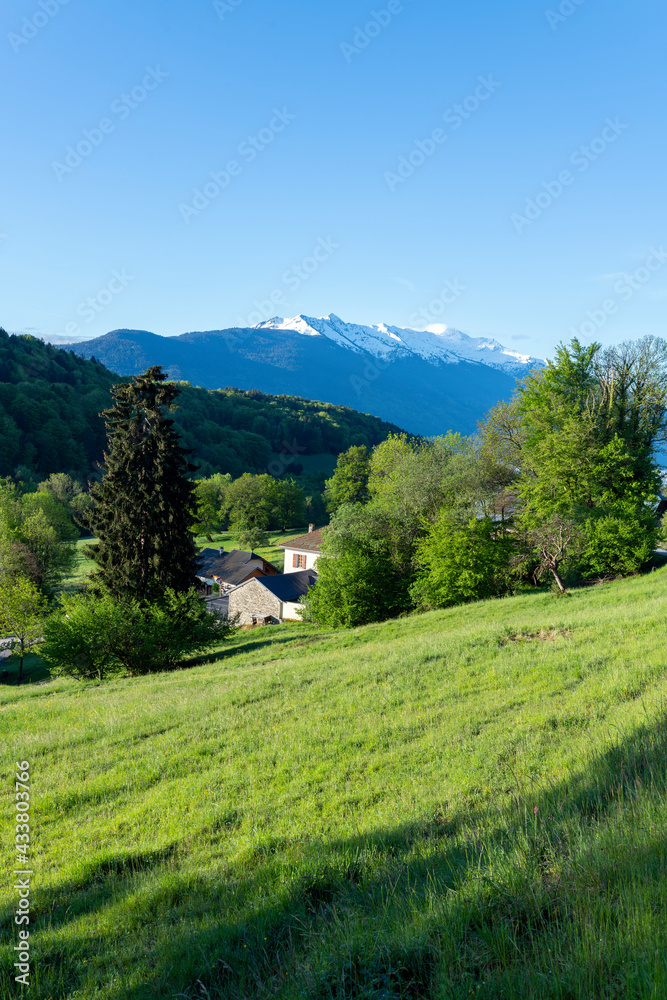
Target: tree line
(559,484)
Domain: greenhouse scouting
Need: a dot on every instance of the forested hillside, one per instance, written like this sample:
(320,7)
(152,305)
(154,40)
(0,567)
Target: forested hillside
(49,406)
(50,401)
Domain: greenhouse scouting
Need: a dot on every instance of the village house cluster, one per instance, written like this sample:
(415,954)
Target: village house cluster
(247,585)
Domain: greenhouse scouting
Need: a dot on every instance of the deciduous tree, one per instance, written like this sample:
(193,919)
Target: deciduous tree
(349,483)
(22,612)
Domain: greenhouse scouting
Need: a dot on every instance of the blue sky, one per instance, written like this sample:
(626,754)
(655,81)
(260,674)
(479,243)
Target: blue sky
(530,139)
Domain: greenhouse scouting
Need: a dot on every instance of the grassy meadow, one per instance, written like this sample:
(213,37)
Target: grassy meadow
(466,803)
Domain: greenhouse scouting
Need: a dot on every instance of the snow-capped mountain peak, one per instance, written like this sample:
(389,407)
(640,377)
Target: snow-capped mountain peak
(438,344)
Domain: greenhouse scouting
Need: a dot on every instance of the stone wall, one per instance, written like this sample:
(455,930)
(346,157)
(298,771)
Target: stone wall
(252,599)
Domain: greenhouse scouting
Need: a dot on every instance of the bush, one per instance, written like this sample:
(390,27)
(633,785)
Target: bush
(461,562)
(619,542)
(95,637)
(354,589)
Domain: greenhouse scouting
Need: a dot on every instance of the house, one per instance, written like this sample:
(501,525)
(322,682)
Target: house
(229,569)
(303,552)
(271,599)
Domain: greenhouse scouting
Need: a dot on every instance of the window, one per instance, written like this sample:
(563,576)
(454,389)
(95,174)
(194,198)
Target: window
(299,562)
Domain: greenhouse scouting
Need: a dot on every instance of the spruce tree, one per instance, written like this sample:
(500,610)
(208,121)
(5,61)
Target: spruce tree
(145,505)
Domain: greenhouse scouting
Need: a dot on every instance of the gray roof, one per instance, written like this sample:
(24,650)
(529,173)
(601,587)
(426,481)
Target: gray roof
(230,567)
(290,587)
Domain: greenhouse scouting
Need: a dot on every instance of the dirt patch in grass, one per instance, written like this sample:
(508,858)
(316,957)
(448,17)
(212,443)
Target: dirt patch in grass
(529,635)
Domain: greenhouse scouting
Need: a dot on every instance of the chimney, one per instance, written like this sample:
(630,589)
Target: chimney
(311,529)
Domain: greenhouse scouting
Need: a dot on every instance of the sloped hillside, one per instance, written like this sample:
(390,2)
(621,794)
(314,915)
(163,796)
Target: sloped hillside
(464,803)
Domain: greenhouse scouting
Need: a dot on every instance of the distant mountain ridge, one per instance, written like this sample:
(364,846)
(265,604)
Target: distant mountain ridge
(428,382)
(435,344)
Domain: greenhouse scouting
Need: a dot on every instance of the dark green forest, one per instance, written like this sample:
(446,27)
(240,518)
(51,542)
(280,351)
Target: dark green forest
(50,401)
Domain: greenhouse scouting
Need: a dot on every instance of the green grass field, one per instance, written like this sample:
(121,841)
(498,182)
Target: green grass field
(467,803)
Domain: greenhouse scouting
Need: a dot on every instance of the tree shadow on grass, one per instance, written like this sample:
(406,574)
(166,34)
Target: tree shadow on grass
(35,670)
(252,646)
(533,901)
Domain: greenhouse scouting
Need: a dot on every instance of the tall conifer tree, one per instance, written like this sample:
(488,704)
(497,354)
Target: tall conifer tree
(145,505)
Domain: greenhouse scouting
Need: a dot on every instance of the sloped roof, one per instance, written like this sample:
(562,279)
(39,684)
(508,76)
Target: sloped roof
(230,567)
(288,586)
(312,541)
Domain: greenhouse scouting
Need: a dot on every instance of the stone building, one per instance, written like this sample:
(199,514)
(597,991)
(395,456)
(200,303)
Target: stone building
(271,599)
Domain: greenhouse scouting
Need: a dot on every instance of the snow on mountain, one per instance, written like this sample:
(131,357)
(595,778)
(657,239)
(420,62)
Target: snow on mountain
(437,344)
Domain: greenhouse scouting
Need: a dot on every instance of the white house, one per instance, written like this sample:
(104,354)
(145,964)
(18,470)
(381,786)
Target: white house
(303,552)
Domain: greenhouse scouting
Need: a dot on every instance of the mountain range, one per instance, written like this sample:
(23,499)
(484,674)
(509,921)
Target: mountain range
(428,381)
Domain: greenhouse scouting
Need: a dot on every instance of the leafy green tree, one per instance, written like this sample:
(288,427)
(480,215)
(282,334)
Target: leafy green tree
(349,482)
(210,495)
(93,637)
(358,579)
(256,504)
(68,492)
(16,559)
(289,505)
(251,537)
(588,481)
(354,588)
(619,541)
(54,513)
(83,637)
(22,612)
(145,505)
(36,533)
(248,503)
(462,561)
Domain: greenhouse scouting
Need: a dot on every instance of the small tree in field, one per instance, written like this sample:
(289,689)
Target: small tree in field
(145,506)
(22,612)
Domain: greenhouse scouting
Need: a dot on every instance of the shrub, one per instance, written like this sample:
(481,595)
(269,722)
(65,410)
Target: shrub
(93,637)
(354,588)
(618,542)
(461,562)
